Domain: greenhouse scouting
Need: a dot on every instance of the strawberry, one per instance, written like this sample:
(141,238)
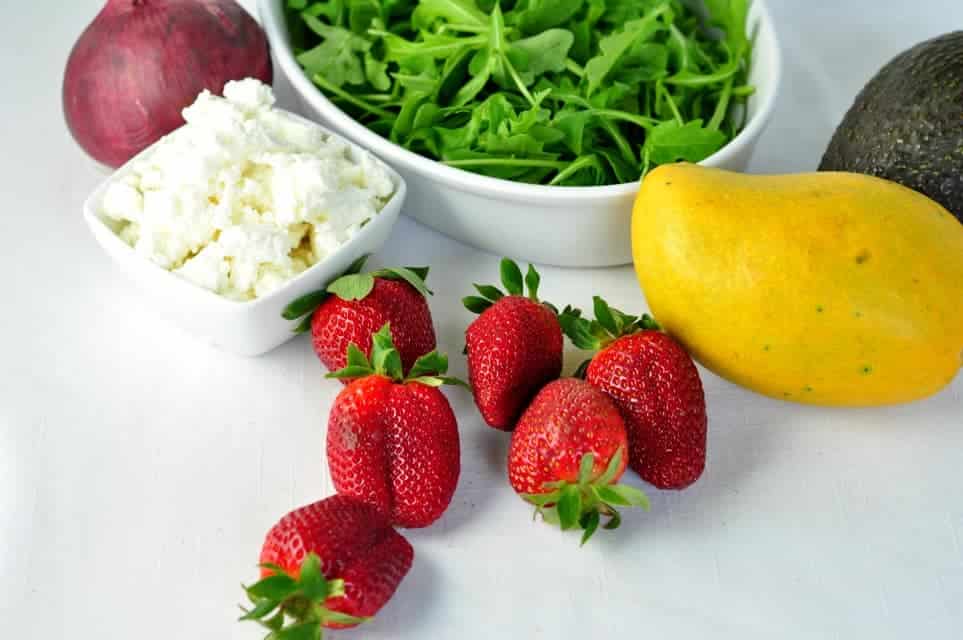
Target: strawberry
(655,385)
(566,455)
(356,305)
(393,441)
(514,346)
(330,564)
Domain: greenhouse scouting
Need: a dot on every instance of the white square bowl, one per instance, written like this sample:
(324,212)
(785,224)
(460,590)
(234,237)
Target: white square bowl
(246,328)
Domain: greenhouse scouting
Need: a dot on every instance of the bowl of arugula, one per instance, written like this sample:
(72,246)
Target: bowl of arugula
(524,127)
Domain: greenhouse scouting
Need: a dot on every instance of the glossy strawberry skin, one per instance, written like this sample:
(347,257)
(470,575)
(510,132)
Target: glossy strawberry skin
(566,420)
(656,386)
(337,323)
(395,445)
(514,348)
(355,542)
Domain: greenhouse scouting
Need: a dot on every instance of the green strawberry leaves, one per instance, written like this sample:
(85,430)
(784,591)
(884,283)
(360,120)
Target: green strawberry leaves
(609,325)
(294,608)
(415,276)
(583,503)
(588,335)
(305,305)
(355,286)
(590,524)
(385,359)
(429,369)
(476,304)
(569,506)
(352,285)
(511,277)
(622,495)
(429,365)
(514,283)
(532,280)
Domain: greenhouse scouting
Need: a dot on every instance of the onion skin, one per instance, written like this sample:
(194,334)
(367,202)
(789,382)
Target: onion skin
(140,62)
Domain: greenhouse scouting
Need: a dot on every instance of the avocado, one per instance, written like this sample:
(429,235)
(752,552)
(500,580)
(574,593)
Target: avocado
(907,123)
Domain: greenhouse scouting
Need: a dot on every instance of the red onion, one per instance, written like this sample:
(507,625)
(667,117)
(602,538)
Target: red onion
(140,62)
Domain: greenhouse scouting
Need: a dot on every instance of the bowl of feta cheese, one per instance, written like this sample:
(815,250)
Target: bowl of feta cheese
(243,209)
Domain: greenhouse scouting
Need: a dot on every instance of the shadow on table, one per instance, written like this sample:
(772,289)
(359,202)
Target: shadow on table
(744,434)
(484,452)
(411,604)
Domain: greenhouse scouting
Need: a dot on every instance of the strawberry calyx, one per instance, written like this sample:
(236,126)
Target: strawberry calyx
(514,283)
(293,608)
(584,502)
(352,285)
(430,369)
(609,325)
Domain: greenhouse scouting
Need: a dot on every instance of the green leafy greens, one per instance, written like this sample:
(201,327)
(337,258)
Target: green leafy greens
(561,92)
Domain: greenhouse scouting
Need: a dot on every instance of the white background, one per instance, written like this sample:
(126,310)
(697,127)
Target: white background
(139,468)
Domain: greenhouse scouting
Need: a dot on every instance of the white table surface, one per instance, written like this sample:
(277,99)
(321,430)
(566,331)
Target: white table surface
(140,469)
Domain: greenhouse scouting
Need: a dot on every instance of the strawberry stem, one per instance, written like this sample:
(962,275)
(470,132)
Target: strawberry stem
(429,369)
(584,502)
(609,325)
(352,285)
(295,607)
(515,285)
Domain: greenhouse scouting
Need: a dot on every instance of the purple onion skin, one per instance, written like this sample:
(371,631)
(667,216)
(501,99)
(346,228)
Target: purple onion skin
(140,62)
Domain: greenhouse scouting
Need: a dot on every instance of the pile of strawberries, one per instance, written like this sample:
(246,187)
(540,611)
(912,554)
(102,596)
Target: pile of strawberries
(393,445)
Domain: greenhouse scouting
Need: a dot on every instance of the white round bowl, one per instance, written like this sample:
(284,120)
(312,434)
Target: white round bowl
(563,226)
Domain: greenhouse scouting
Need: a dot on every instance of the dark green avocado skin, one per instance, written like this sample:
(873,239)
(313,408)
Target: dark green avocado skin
(907,124)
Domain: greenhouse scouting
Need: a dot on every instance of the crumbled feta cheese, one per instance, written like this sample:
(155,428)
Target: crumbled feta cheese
(207,269)
(244,197)
(250,95)
(123,201)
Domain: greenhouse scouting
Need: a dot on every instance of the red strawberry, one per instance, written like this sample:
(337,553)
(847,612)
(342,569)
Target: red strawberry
(567,452)
(393,441)
(514,347)
(655,385)
(357,304)
(330,564)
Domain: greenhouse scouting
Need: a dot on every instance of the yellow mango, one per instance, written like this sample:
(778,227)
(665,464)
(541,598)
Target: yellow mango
(823,288)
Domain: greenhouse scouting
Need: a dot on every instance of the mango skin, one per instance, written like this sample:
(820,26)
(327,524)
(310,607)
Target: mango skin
(824,288)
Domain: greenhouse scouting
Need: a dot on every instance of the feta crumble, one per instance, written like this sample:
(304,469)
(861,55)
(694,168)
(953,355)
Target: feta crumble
(244,197)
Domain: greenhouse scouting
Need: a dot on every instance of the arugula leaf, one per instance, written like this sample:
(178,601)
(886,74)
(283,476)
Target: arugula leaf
(572,125)
(361,15)
(336,58)
(332,10)
(584,30)
(418,75)
(453,75)
(644,63)
(625,172)
(541,15)
(480,69)
(398,49)
(458,11)
(376,72)
(622,11)
(615,47)
(731,17)
(540,54)
(670,142)
(405,122)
